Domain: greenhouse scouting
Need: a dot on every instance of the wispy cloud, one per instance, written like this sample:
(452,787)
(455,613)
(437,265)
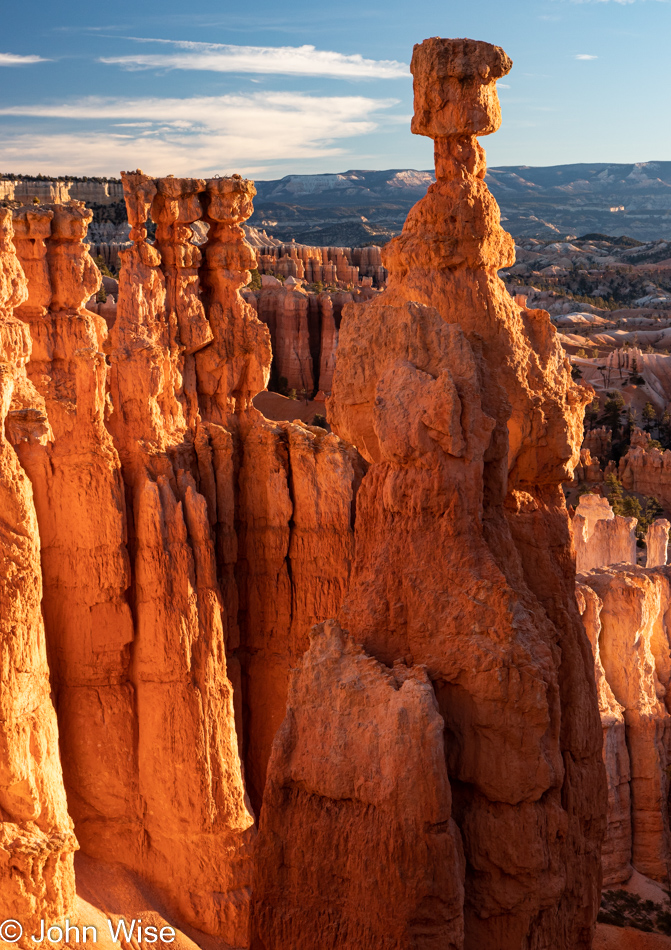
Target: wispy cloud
(585,56)
(197,135)
(280,60)
(14,59)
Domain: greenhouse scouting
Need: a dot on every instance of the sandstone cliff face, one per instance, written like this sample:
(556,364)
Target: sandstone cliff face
(625,614)
(184,699)
(188,544)
(359,760)
(464,407)
(26,190)
(303,330)
(36,837)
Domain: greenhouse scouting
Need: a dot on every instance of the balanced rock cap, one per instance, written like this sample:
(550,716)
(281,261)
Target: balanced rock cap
(455,87)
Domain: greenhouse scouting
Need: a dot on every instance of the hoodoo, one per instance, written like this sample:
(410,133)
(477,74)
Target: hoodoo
(317,690)
(187,547)
(463,404)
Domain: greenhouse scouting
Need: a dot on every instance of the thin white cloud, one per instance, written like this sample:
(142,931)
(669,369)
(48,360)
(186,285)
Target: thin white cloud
(584,56)
(14,59)
(199,135)
(279,60)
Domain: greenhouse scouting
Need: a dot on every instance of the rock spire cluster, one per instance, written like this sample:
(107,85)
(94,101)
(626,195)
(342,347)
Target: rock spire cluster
(187,544)
(319,690)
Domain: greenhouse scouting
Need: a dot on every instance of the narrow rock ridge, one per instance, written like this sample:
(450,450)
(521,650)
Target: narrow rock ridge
(463,404)
(36,837)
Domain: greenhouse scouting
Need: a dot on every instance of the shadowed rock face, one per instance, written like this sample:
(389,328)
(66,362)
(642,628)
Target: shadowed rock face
(463,404)
(36,839)
(359,760)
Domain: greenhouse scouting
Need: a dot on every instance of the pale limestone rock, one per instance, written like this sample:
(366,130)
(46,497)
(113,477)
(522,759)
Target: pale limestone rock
(657,542)
(611,540)
(594,508)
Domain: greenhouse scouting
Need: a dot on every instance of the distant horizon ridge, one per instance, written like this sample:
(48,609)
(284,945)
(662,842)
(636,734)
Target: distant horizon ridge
(65,176)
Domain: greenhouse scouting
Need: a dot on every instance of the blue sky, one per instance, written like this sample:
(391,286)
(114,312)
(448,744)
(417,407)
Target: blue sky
(205,87)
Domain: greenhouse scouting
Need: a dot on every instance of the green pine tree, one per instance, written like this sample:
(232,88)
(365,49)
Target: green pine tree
(649,416)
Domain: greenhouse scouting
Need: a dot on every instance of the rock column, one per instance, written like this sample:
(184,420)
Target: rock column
(36,838)
(185,722)
(79,497)
(464,406)
(657,543)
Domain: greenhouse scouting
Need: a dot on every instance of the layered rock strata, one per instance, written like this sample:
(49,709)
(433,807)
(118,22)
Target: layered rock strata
(463,404)
(36,837)
(285,311)
(598,441)
(435,776)
(602,538)
(184,700)
(303,331)
(323,264)
(26,190)
(588,469)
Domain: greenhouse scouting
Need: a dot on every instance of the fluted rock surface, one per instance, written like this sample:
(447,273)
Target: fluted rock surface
(616,852)
(188,544)
(628,619)
(463,404)
(36,837)
(357,847)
